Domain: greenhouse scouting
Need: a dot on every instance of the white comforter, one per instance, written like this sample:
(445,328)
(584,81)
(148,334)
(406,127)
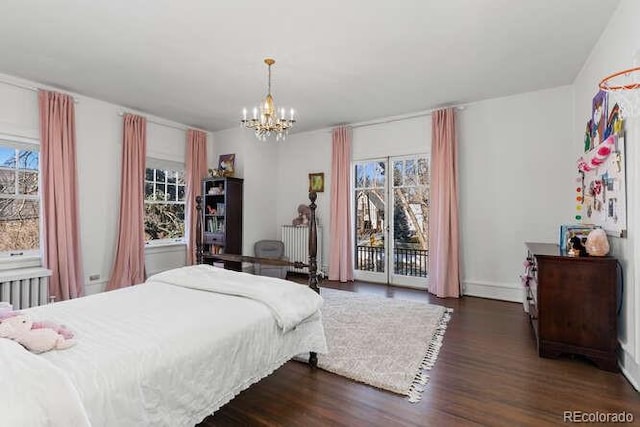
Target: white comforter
(289,302)
(35,393)
(152,355)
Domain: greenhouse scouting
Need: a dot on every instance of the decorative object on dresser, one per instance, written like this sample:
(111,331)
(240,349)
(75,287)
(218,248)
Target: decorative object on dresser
(572,304)
(221,216)
(597,243)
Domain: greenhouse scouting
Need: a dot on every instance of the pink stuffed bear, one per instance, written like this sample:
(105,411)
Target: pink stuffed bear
(45,324)
(19,328)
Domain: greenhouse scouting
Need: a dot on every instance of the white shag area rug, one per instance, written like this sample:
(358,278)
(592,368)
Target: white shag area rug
(384,342)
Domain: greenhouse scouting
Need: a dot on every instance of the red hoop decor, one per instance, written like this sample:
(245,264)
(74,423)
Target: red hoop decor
(605,84)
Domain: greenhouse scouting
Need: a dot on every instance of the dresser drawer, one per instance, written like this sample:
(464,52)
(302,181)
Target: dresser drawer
(533,306)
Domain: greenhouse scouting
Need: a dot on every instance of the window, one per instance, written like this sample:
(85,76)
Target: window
(19,199)
(164,202)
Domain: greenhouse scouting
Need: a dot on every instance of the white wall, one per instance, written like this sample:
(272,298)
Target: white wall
(99,143)
(515,184)
(613,52)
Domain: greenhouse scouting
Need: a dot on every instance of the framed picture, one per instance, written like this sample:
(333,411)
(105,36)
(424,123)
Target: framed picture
(316,182)
(226,164)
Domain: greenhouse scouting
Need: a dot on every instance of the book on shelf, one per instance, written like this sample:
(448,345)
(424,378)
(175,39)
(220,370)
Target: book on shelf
(216,249)
(215,225)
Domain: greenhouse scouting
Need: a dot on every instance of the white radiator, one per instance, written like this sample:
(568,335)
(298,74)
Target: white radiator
(25,287)
(296,246)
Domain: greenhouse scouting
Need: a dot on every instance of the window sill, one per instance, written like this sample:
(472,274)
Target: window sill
(10,263)
(155,248)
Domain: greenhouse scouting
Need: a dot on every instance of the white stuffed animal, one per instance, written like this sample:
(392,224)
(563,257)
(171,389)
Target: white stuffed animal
(18,328)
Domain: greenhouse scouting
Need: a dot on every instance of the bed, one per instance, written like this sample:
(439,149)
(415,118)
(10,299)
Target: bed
(168,352)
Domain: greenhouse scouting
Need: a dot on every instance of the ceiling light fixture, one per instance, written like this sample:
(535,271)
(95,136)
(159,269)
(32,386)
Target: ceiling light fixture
(268,121)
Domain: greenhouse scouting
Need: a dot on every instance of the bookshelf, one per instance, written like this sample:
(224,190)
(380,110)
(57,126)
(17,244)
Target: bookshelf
(222,219)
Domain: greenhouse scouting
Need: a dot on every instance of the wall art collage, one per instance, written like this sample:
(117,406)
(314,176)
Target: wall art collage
(601,183)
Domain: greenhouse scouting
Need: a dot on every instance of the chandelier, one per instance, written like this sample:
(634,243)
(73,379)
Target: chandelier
(266,120)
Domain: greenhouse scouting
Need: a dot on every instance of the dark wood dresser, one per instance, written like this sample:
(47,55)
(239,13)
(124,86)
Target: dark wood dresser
(572,304)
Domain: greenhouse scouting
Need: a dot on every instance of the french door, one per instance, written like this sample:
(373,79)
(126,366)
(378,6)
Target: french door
(391,222)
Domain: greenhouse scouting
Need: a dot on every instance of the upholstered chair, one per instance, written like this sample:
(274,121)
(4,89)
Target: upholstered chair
(270,249)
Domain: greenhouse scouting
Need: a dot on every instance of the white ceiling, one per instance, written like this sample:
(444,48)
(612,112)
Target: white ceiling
(199,62)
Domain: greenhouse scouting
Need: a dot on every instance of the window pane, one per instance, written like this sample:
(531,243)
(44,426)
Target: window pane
(398,169)
(7,181)
(423,172)
(181,193)
(160,192)
(369,173)
(410,173)
(380,174)
(160,175)
(7,156)
(359,176)
(19,225)
(28,159)
(171,192)
(163,221)
(171,177)
(370,226)
(181,180)
(148,174)
(148,190)
(28,182)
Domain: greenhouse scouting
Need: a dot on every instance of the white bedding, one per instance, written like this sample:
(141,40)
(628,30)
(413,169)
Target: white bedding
(289,302)
(35,393)
(162,355)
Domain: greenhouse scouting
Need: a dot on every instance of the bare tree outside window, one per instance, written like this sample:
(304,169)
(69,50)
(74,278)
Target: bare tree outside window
(19,200)
(164,204)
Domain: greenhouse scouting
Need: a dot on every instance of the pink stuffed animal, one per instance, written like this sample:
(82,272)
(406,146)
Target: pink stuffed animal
(45,324)
(19,328)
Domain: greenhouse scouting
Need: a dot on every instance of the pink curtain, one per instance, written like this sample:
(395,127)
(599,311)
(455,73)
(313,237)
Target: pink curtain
(444,258)
(128,266)
(60,195)
(196,165)
(340,251)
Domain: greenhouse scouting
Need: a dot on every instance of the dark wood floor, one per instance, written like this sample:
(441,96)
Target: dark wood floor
(488,373)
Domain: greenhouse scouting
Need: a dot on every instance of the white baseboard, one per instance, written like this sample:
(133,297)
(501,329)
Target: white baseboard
(493,290)
(629,368)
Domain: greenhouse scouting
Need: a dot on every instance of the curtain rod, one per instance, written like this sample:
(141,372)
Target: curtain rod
(179,127)
(31,88)
(399,118)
